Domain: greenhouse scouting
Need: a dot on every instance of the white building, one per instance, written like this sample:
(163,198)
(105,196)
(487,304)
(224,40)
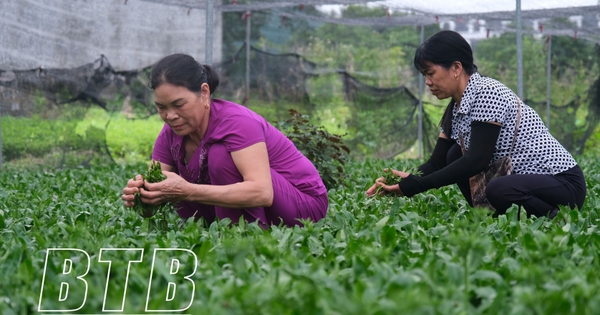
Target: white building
(130,33)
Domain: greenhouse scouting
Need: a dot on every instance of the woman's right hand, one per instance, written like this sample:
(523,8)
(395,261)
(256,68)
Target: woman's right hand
(374,189)
(381,187)
(133,186)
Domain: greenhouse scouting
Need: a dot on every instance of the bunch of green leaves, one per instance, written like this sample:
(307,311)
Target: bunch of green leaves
(326,151)
(156,215)
(389,178)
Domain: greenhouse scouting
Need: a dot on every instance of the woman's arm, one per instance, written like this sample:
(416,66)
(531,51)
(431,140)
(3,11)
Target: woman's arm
(481,149)
(437,160)
(255,191)
(166,167)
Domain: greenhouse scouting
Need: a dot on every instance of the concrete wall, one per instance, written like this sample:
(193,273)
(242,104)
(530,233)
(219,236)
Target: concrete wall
(132,34)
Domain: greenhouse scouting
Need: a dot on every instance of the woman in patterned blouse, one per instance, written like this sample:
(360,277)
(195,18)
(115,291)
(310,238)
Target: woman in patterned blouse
(484,112)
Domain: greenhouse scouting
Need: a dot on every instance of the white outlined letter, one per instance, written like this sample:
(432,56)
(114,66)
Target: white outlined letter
(61,276)
(107,256)
(164,263)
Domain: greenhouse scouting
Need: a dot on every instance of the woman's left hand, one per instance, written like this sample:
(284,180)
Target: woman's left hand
(174,188)
(387,188)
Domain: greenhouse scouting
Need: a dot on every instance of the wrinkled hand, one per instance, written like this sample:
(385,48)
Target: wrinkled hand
(385,189)
(133,186)
(172,189)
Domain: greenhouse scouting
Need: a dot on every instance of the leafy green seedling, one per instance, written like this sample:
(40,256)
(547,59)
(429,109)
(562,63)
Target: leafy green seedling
(156,215)
(390,179)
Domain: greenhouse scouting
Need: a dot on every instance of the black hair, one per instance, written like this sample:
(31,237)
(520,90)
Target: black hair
(183,70)
(443,49)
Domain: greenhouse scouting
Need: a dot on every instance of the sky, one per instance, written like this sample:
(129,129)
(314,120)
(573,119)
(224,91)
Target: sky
(475,6)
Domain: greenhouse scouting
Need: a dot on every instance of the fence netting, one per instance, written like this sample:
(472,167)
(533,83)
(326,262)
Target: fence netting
(94,112)
(46,111)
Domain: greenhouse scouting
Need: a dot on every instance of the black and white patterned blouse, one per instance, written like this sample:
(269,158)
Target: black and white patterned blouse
(536,151)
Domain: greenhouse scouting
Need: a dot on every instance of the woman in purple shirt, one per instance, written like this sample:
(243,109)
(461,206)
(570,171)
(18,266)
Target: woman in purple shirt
(221,159)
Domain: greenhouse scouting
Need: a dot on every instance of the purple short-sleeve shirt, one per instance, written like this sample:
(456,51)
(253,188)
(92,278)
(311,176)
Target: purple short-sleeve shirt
(237,127)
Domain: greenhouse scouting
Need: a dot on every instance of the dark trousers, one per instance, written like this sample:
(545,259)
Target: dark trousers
(538,194)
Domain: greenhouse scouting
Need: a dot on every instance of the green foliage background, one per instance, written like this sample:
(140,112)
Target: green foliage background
(379,57)
(383,58)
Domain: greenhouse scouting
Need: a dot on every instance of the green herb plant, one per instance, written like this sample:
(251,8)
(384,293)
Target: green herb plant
(326,151)
(156,215)
(389,178)
(431,254)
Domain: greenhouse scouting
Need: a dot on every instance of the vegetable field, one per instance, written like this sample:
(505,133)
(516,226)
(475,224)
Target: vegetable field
(431,254)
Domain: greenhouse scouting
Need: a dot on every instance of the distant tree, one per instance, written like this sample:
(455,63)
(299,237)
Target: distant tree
(387,51)
(574,66)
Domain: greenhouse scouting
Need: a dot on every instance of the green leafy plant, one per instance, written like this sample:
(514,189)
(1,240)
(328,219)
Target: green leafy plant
(156,215)
(429,254)
(37,137)
(325,150)
(389,178)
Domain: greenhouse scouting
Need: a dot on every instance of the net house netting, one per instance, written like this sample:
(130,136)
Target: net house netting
(73,74)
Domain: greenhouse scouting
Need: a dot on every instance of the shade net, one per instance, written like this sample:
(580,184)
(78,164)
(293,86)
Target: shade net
(93,112)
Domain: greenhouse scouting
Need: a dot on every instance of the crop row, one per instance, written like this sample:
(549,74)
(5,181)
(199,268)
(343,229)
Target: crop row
(431,254)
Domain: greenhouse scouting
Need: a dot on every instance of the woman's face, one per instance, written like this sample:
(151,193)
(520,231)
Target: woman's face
(442,82)
(181,108)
